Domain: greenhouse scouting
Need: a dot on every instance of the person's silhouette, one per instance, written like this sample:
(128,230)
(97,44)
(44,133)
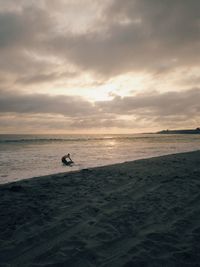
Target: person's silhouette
(65,161)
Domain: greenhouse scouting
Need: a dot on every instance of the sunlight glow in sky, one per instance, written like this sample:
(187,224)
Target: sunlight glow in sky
(91,66)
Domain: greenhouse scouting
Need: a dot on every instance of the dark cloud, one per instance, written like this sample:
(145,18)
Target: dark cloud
(23,28)
(161,105)
(22,32)
(39,45)
(155,109)
(137,35)
(41,103)
(129,35)
(45,77)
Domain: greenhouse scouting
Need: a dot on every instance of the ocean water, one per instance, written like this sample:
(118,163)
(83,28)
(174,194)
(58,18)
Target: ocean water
(26,156)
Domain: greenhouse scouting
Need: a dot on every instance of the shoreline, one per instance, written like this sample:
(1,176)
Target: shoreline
(126,214)
(51,175)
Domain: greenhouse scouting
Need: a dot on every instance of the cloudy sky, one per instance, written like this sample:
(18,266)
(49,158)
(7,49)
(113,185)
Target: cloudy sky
(93,66)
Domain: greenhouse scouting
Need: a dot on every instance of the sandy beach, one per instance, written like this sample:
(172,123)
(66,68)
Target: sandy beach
(141,213)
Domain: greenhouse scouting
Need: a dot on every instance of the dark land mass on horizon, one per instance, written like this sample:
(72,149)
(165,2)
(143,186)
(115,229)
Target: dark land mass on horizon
(186,131)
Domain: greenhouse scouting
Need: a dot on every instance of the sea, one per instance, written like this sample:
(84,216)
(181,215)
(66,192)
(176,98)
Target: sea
(27,156)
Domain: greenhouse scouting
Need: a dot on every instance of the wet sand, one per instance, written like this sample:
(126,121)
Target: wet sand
(140,213)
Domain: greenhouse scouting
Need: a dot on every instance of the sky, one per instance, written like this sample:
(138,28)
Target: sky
(92,66)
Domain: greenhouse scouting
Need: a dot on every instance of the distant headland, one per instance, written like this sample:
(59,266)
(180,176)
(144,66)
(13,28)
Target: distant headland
(187,131)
